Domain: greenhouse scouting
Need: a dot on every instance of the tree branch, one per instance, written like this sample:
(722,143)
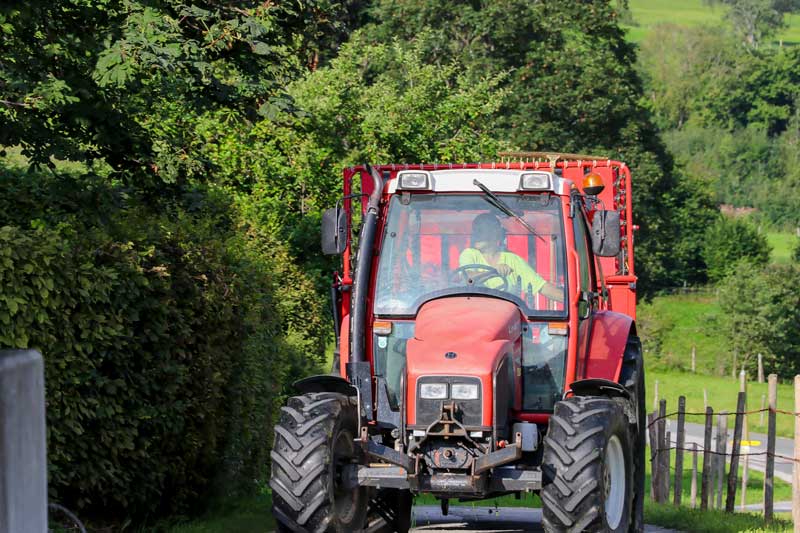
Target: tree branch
(14,104)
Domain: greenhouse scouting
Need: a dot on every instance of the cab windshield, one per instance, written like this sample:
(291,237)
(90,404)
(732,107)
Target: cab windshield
(437,244)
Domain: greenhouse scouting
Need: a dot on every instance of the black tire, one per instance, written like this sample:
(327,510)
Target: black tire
(586,435)
(314,439)
(632,378)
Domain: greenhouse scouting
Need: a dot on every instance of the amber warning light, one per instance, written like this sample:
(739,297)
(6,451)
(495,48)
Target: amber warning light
(593,184)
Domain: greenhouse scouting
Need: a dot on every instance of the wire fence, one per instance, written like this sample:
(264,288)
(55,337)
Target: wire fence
(722,454)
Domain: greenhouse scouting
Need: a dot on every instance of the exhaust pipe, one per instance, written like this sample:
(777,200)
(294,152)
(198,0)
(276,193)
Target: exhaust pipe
(358,370)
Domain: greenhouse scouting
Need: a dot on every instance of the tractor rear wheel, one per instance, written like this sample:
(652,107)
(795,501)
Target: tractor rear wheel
(587,467)
(314,441)
(632,378)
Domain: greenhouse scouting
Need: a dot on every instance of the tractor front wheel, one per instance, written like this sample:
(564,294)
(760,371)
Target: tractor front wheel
(587,467)
(314,441)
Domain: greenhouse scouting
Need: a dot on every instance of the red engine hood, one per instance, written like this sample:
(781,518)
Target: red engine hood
(480,331)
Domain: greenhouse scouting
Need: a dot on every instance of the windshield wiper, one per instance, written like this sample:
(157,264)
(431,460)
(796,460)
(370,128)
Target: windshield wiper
(493,199)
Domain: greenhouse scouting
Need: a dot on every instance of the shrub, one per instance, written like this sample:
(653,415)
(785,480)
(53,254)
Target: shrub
(761,310)
(729,241)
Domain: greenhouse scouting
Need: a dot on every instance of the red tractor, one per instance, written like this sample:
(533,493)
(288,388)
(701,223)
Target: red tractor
(486,346)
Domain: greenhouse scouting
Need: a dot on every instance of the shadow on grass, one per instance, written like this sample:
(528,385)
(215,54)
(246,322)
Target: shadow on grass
(247,515)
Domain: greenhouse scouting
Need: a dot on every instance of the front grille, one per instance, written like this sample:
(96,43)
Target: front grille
(470,412)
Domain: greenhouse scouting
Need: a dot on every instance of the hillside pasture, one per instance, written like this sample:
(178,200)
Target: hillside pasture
(648,13)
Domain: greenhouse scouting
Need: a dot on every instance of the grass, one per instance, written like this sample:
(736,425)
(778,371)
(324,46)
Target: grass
(696,521)
(782,244)
(648,13)
(247,515)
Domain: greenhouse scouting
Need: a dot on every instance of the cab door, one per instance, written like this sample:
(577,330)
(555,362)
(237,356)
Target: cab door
(588,300)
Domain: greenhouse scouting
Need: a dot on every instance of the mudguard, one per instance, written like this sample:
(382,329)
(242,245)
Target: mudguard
(599,387)
(609,336)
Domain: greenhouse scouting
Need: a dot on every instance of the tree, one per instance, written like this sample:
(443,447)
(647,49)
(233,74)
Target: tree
(126,82)
(729,242)
(573,87)
(756,20)
(679,64)
(761,310)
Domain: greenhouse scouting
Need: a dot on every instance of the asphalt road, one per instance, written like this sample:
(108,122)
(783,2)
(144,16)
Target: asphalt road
(429,519)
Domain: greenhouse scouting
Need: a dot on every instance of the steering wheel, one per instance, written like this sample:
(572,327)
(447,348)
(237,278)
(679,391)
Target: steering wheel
(489,273)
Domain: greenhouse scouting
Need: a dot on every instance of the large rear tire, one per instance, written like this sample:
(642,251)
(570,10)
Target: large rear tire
(632,378)
(314,440)
(587,467)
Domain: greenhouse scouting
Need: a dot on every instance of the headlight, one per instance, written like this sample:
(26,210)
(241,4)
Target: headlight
(433,391)
(464,391)
(413,180)
(535,181)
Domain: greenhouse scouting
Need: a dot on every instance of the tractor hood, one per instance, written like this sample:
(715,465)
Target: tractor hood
(462,336)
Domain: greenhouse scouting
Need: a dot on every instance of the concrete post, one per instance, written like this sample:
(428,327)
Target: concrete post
(23,459)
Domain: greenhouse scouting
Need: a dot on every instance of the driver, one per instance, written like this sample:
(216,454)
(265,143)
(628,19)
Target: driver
(487,242)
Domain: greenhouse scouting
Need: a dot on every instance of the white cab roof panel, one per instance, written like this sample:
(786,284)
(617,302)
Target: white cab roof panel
(496,180)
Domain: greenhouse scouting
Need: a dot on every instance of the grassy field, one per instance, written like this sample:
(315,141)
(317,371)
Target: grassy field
(648,13)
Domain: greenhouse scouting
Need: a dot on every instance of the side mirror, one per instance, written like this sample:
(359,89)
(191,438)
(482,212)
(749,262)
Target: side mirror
(605,233)
(334,231)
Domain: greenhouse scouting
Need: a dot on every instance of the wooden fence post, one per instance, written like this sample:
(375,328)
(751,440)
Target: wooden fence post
(796,472)
(655,396)
(746,437)
(662,474)
(679,445)
(722,448)
(667,456)
(769,471)
(704,484)
(652,427)
(760,368)
(693,493)
(733,473)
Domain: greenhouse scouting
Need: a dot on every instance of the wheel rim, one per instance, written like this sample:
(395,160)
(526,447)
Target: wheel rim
(614,482)
(344,499)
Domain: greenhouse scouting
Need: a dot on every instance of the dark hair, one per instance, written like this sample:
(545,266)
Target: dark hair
(486,227)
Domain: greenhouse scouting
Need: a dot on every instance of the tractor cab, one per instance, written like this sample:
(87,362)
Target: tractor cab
(476,304)
(455,243)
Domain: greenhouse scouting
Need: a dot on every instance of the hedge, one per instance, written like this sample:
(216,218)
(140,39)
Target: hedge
(168,342)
